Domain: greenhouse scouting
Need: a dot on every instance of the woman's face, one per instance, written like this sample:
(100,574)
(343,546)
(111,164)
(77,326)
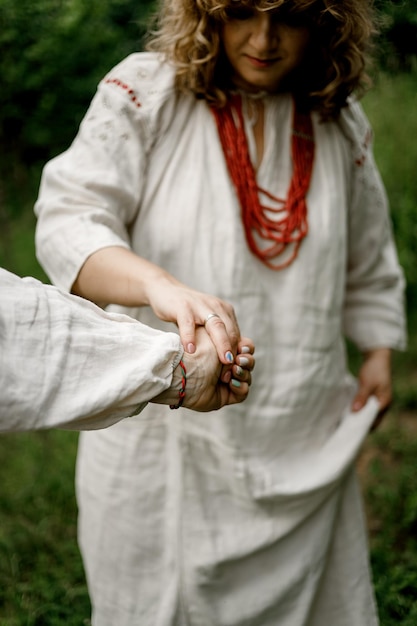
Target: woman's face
(261,49)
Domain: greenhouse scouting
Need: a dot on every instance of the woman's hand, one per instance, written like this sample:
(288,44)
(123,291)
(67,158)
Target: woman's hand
(172,301)
(205,391)
(375,380)
(117,275)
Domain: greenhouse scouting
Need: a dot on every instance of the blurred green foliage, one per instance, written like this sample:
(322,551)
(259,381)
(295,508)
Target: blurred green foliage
(398,29)
(391,107)
(53,53)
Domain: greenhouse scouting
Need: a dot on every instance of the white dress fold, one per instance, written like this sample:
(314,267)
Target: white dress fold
(249,516)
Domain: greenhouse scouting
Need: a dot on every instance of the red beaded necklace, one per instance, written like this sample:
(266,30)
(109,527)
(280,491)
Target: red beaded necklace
(290,225)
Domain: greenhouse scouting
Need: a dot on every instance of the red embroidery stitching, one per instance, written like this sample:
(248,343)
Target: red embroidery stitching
(130,92)
(365,145)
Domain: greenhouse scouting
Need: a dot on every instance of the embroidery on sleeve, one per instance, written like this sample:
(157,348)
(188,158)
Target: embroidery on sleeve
(360,160)
(130,92)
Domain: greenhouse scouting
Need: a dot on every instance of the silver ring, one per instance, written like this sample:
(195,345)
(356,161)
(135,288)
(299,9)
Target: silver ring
(209,316)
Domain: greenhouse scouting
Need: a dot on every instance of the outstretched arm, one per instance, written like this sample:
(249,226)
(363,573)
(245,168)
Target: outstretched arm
(64,362)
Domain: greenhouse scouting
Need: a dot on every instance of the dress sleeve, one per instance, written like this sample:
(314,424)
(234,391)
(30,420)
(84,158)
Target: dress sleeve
(65,363)
(374,306)
(92,192)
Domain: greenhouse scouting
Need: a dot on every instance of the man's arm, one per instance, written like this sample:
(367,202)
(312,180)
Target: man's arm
(64,362)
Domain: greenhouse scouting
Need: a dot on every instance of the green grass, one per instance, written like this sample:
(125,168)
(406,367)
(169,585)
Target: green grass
(389,478)
(41,576)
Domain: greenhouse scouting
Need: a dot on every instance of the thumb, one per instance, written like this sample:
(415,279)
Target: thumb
(361,398)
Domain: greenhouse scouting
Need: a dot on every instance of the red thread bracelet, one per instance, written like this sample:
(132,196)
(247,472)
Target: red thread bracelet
(181,394)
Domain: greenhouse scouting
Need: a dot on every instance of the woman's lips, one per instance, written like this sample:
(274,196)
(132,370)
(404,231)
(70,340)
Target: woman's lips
(261,63)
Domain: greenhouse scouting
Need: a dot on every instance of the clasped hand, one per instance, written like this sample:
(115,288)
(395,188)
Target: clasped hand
(174,302)
(219,361)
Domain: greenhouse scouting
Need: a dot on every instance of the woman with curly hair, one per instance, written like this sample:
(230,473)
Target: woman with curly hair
(227,174)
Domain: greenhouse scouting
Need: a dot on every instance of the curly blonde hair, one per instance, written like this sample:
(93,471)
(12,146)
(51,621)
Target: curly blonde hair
(188,34)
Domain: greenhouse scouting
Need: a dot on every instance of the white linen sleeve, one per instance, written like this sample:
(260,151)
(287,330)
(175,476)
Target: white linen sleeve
(65,363)
(91,193)
(374,313)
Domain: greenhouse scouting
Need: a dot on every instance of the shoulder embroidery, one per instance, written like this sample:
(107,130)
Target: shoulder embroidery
(130,92)
(360,160)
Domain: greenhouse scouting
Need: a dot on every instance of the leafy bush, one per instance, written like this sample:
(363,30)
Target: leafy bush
(53,54)
(398,41)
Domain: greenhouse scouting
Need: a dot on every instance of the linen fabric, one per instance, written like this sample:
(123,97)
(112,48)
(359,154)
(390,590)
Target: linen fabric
(249,516)
(65,363)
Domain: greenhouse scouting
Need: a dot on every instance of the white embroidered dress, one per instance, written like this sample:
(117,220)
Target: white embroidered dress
(249,516)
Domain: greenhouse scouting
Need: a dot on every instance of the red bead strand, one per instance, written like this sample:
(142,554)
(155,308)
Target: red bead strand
(291,225)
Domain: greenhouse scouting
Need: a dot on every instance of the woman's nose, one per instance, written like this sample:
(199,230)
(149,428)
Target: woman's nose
(265,32)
